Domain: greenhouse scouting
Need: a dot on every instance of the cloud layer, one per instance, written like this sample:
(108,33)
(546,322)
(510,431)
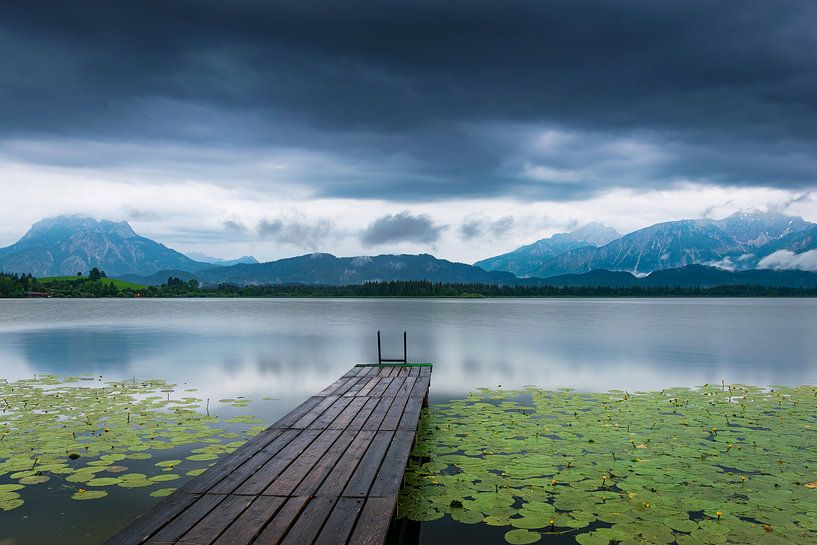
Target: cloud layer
(401,227)
(280,127)
(556,100)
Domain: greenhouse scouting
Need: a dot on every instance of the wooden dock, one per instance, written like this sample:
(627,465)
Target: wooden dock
(329,472)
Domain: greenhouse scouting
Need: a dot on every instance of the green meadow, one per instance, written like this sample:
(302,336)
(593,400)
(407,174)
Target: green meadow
(119,284)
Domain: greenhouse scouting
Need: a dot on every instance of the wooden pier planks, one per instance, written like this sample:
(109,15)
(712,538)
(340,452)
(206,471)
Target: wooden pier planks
(329,472)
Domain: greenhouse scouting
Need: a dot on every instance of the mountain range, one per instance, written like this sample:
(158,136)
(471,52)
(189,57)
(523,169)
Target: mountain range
(66,245)
(526,260)
(735,250)
(738,242)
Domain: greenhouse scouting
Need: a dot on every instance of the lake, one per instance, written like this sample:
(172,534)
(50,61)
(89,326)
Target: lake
(288,349)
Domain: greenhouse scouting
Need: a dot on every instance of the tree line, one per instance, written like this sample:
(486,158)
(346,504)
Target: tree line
(97,285)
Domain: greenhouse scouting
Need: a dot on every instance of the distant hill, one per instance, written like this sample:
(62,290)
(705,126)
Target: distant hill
(326,269)
(736,242)
(66,245)
(203,258)
(526,260)
(691,276)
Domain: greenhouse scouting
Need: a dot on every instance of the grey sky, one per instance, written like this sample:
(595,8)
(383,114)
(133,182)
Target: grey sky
(327,116)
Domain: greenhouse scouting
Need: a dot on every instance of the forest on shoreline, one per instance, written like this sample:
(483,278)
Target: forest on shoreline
(96,286)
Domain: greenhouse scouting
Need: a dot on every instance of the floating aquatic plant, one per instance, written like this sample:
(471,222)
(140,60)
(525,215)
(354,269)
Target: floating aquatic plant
(83,439)
(716,464)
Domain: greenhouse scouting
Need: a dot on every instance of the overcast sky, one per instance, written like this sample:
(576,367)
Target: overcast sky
(462,129)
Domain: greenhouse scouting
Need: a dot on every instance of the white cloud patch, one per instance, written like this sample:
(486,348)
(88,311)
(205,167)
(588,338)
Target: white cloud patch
(787,260)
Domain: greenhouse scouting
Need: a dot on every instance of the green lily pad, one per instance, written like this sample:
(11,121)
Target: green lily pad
(162,492)
(522,537)
(35,479)
(89,495)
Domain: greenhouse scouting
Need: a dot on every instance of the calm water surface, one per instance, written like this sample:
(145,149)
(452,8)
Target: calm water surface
(292,348)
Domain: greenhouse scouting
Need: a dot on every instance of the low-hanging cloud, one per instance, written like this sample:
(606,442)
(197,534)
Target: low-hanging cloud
(478,227)
(235,226)
(309,236)
(787,260)
(402,227)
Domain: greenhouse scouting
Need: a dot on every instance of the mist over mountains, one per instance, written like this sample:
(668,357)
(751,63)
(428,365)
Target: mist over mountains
(738,242)
(763,247)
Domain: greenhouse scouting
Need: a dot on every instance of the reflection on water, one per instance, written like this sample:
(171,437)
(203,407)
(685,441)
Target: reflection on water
(293,348)
(290,349)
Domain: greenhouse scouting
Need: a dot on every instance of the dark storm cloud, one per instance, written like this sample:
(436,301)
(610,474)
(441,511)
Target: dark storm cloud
(422,100)
(401,227)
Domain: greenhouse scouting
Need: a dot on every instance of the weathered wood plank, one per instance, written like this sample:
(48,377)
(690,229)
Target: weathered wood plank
(390,476)
(147,524)
(232,480)
(373,524)
(362,417)
(340,523)
(273,533)
(348,414)
(356,387)
(368,387)
(421,387)
(216,521)
(378,414)
(381,386)
(287,481)
(329,415)
(277,464)
(361,480)
(232,461)
(313,480)
(392,418)
(316,411)
(295,414)
(394,386)
(244,529)
(407,387)
(310,522)
(410,416)
(336,481)
(329,390)
(186,519)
